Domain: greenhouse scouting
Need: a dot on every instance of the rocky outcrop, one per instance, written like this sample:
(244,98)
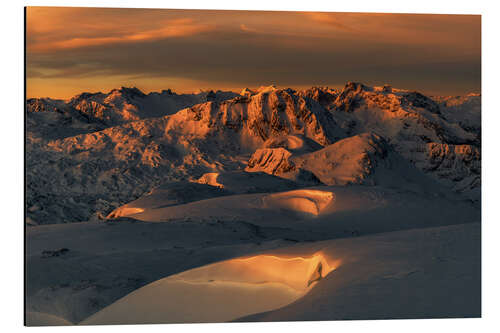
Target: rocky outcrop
(267,114)
(274,161)
(458,166)
(122,105)
(348,161)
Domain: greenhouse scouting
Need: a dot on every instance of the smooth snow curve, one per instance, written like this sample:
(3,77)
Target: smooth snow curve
(303,201)
(124,211)
(219,292)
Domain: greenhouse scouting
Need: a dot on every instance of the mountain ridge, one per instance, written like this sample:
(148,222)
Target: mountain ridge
(98,151)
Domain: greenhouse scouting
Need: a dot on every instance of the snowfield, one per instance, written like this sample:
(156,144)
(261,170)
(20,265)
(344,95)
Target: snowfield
(302,201)
(389,275)
(268,205)
(219,292)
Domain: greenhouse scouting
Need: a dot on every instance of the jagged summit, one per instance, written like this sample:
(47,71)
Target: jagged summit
(125,142)
(125,104)
(263,90)
(42,105)
(127,93)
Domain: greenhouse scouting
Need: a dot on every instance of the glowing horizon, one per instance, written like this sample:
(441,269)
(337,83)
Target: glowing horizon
(73,50)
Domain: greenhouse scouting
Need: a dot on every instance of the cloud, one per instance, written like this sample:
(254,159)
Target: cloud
(329,19)
(72,28)
(410,29)
(244,27)
(238,49)
(171,29)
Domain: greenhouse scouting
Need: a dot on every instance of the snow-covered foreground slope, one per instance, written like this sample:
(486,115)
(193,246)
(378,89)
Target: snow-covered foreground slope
(104,261)
(321,208)
(219,292)
(412,274)
(425,273)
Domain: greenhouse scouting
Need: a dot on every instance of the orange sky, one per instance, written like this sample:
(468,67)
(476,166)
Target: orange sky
(71,50)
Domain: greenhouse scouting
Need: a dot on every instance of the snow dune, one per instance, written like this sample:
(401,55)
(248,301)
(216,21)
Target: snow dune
(219,292)
(418,273)
(304,201)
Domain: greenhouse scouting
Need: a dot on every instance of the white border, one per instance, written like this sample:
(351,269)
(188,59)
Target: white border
(12,161)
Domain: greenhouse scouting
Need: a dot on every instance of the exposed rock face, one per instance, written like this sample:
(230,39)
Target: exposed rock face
(274,161)
(458,166)
(412,122)
(278,162)
(43,105)
(122,105)
(95,152)
(462,110)
(265,115)
(348,161)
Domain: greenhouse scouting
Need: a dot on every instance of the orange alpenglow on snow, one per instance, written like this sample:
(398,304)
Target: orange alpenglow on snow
(222,291)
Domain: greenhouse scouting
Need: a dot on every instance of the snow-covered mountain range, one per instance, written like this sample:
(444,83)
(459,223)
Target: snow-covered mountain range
(268,204)
(95,152)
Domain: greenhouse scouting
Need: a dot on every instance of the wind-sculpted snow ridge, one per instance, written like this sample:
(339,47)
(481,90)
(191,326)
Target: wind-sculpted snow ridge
(302,201)
(219,292)
(169,194)
(326,207)
(79,168)
(203,199)
(391,274)
(240,182)
(296,143)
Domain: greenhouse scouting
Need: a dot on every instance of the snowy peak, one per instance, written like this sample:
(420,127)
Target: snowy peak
(265,115)
(128,93)
(355,95)
(120,106)
(462,110)
(124,143)
(261,90)
(347,161)
(44,105)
